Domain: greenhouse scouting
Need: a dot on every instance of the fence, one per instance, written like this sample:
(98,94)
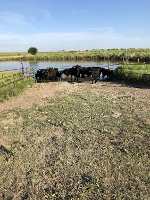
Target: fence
(14,75)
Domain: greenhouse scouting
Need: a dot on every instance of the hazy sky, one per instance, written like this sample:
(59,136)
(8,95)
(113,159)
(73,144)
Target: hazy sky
(53,25)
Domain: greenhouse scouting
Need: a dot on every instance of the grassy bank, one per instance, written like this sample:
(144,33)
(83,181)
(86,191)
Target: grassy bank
(15,87)
(80,146)
(139,55)
(138,74)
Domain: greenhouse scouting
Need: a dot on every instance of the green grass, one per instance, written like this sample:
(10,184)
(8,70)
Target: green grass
(138,55)
(81,146)
(137,69)
(12,90)
(134,74)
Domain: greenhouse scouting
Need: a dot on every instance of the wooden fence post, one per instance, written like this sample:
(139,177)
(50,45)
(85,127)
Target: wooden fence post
(22,70)
(22,67)
(14,79)
(30,70)
(108,64)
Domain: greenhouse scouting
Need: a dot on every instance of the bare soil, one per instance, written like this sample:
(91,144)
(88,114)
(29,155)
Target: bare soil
(47,91)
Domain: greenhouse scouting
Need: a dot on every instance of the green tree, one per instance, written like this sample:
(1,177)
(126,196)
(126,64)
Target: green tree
(32,50)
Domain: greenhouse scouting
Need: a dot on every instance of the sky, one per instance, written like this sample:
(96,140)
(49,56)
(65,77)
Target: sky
(73,25)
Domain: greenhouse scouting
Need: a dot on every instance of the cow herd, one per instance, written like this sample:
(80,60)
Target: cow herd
(76,71)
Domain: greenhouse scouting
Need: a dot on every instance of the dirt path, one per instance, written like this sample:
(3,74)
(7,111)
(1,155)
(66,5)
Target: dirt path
(41,92)
(34,95)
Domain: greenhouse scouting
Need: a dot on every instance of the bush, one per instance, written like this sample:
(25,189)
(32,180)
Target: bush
(32,50)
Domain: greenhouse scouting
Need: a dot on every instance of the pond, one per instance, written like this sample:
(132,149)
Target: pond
(61,65)
(9,65)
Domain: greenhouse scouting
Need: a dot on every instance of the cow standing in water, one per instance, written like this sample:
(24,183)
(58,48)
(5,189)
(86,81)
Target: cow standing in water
(74,71)
(51,74)
(96,72)
(41,73)
(85,71)
(58,74)
(108,73)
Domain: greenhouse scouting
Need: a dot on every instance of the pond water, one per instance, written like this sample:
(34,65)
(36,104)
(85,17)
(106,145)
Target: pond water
(9,65)
(61,65)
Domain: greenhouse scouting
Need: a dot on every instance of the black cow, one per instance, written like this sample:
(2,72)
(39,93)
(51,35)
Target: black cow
(40,74)
(74,71)
(89,72)
(85,70)
(59,73)
(67,72)
(107,72)
(51,74)
(96,71)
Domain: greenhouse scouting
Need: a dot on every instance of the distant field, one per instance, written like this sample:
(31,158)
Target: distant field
(139,55)
(8,54)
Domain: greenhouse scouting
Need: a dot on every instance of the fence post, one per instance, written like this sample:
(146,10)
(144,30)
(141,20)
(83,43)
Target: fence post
(14,79)
(30,70)
(143,68)
(22,70)
(22,67)
(108,64)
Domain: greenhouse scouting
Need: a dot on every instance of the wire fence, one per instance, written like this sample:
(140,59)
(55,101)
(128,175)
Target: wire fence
(142,75)
(24,75)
